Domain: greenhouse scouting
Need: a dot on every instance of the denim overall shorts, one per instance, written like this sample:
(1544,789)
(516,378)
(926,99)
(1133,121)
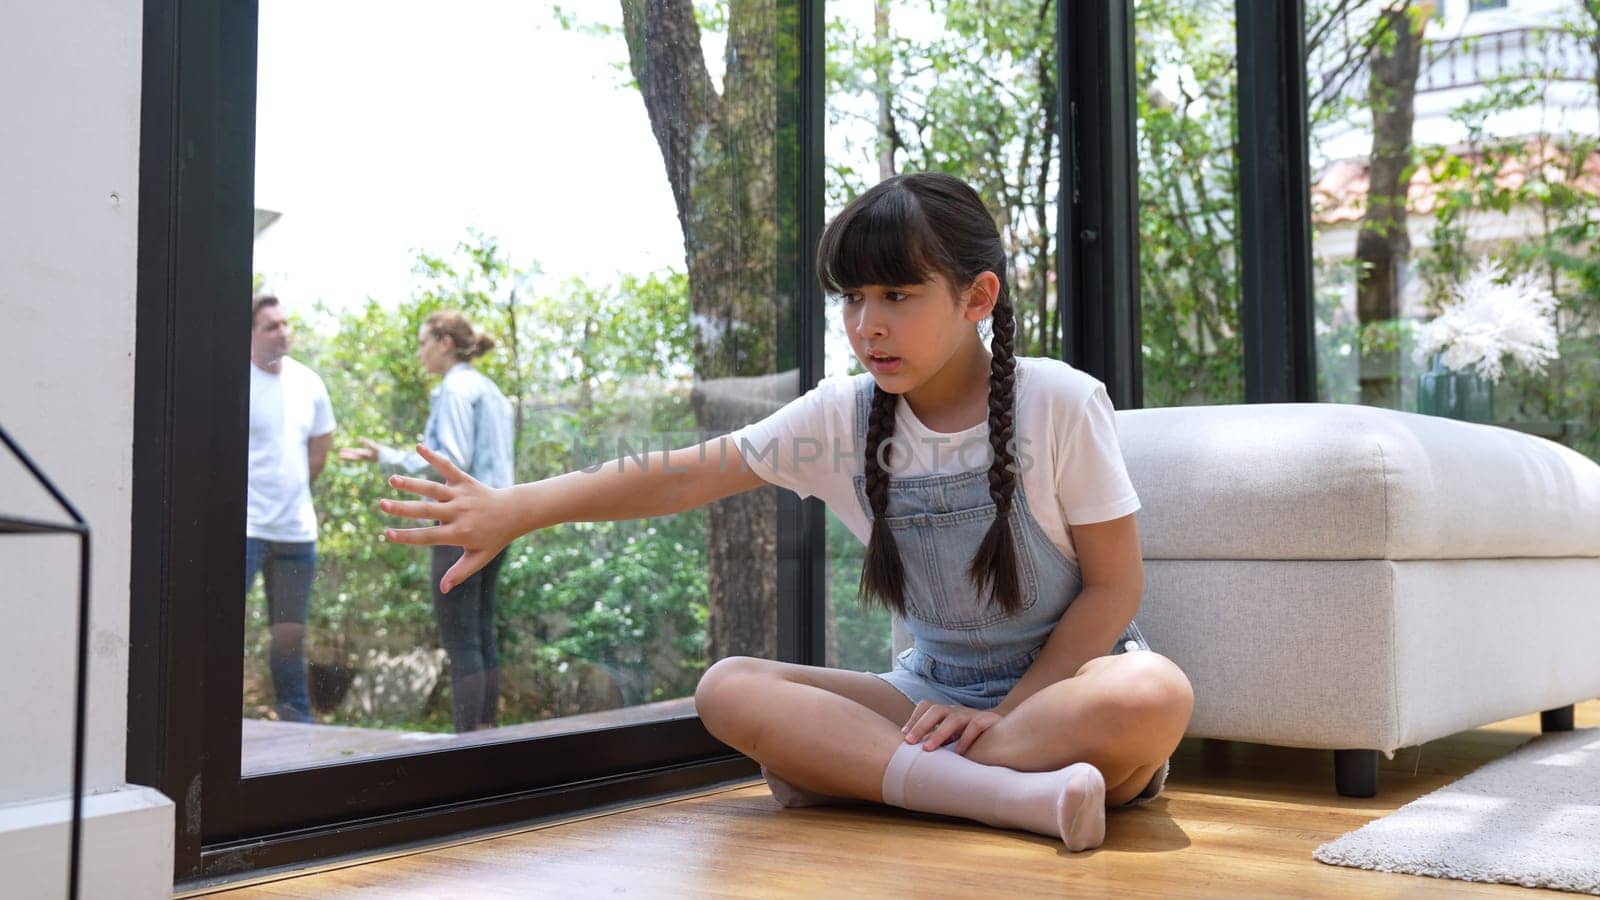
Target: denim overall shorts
(967,651)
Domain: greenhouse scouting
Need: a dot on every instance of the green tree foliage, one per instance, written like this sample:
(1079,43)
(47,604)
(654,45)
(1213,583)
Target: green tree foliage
(1185,82)
(861,631)
(974,96)
(591,615)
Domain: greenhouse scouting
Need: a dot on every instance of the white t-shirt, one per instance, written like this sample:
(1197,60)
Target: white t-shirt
(286,410)
(1066,450)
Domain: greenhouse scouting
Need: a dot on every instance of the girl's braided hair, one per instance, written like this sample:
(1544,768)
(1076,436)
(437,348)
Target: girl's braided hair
(902,231)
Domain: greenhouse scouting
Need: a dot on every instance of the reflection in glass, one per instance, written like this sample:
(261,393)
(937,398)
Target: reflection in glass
(629,278)
(1440,141)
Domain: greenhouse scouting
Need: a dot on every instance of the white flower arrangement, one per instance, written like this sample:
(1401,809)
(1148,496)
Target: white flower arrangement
(1490,318)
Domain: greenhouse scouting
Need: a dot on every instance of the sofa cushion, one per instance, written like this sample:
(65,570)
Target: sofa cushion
(1373,654)
(1331,481)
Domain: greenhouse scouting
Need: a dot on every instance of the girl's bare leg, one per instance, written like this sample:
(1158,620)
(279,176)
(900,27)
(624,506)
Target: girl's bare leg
(783,716)
(824,730)
(1123,714)
(834,732)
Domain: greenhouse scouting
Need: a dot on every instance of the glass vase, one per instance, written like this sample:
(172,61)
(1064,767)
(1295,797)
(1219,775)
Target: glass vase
(1442,391)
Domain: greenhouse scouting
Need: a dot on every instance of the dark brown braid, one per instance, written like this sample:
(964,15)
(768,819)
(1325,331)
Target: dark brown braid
(904,230)
(883,576)
(996,559)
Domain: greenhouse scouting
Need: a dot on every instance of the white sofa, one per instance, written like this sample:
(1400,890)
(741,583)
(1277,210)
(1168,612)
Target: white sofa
(1360,580)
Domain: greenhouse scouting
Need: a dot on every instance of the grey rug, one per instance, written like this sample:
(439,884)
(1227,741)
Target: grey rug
(1530,818)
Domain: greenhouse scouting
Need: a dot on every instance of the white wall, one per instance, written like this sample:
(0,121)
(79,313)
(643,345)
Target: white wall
(69,150)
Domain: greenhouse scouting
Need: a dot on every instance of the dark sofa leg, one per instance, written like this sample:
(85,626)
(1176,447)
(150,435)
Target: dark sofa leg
(1355,772)
(1558,719)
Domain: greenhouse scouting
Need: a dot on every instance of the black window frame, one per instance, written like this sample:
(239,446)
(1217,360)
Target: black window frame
(1098,210)
(1276,312)
(1098,213)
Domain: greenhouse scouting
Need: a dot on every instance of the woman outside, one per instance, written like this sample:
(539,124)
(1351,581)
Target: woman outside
(470,423)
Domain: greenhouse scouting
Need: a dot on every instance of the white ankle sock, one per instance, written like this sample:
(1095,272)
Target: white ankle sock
(1068,803)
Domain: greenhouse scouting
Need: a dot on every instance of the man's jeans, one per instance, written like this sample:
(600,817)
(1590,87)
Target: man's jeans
(287,569)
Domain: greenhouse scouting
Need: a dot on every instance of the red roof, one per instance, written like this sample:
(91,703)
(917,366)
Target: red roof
(1339,193)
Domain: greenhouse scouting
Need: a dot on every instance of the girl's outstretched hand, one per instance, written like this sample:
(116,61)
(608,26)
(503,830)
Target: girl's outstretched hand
(476,518)
(935,724)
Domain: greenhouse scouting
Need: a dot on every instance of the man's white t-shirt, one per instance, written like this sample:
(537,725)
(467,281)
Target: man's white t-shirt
(1066,452)
(286,410)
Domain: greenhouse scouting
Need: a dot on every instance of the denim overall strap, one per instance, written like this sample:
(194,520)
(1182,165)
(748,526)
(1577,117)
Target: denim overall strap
(964,641)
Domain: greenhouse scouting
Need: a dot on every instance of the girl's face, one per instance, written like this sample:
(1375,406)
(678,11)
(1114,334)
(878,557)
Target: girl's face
(435,352)
(905,334)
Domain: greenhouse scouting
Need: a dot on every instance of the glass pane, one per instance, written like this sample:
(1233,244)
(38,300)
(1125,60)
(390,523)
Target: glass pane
(966,88)
(1185,81)
(1462,140)
(500,159)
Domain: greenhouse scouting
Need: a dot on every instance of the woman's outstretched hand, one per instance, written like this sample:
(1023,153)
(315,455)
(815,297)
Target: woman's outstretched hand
(935,725)
(367,452)
(476,518)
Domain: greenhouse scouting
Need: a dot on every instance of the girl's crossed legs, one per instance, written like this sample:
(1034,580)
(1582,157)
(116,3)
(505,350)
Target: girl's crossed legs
(835,732)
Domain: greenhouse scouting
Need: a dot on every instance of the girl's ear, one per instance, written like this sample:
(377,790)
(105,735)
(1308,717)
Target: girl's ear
(981,296)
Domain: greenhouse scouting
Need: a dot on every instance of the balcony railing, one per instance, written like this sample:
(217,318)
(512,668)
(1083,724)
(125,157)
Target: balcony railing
(1535,53)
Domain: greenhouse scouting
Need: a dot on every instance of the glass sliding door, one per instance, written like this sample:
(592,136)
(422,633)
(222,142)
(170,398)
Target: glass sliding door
(501,161)
(417,175)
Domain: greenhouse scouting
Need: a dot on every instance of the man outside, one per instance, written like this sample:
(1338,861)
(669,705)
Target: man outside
(291,427)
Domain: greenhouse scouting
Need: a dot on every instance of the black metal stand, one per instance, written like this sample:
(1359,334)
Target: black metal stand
(14,525)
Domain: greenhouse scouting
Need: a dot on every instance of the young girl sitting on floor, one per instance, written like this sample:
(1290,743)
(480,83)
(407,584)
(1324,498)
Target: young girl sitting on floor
(999,525)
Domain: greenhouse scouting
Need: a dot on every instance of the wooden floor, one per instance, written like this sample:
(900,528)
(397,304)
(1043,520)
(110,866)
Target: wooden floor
(1236,820)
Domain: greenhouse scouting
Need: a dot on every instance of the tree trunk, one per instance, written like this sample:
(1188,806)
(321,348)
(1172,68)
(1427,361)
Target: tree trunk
(881,73)
(720,155)
(1383,243)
